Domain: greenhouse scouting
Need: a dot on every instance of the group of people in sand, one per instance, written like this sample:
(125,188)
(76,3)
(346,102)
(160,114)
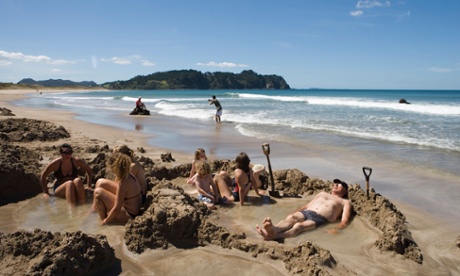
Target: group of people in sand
(116,200)
(221,189)
(121,199)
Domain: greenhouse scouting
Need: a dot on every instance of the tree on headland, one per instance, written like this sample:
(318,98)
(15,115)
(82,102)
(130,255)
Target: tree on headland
(192,79)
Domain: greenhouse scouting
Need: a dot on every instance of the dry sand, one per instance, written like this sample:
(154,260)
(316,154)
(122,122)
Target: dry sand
(354,249)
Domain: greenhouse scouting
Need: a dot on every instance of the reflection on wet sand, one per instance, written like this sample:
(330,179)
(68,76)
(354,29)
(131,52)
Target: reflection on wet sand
(139,127)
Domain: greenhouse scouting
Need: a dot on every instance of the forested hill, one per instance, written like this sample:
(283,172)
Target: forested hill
(192,79)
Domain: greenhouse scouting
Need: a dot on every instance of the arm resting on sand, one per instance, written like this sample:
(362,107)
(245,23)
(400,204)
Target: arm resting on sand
(345,218)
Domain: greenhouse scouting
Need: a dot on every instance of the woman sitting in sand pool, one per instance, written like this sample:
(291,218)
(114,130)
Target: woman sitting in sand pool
(125,202)
(237,189)
(68,184)
(135,169)
(200,155)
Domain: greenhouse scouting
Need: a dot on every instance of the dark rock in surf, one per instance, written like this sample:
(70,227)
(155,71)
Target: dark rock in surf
(403,101)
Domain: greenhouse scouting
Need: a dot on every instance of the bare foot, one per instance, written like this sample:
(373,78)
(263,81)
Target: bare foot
(269,228)
(262,232)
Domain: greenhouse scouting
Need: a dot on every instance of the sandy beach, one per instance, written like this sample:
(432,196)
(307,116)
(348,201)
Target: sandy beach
(430,223)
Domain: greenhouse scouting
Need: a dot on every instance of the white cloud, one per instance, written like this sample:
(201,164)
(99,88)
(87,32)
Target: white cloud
(5,62)
(367,4)
(356,13)
(117,60)
(147,63)
(128,60)
(55,70)
(38,59)
(436,69)
(221,64)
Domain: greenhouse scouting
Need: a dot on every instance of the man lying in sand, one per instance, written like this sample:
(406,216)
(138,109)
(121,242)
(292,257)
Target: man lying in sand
(323,208)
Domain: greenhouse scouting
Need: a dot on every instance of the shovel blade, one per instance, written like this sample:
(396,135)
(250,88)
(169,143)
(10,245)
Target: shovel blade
(274,194)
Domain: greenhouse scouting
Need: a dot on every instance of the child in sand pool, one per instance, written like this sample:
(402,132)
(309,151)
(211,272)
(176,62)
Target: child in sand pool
(207,189)
(200,155)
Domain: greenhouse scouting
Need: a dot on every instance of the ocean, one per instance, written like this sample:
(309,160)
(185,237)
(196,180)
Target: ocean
(424,134)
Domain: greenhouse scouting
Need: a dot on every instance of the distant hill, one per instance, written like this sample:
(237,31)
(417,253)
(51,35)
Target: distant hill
(192,79)
(58,83)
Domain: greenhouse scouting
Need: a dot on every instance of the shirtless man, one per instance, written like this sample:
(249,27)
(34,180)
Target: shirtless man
(323,208)
(216,102)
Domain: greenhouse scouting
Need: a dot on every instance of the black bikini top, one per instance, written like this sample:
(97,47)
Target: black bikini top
(59,175)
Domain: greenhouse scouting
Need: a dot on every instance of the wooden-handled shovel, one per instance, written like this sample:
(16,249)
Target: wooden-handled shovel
(266,150)
(367,173)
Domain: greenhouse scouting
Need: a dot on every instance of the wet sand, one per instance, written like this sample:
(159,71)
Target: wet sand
(433,221)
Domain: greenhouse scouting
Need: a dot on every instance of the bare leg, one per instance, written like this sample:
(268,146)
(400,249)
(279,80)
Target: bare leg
(104,202)
(296,229)
(80,190)
(223,182)
(67,190)
(271,232)
(105,184)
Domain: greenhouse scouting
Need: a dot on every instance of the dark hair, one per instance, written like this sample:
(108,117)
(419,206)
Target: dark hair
(65,146)
(242,161)
(344,185)
(213,96)
(198,152)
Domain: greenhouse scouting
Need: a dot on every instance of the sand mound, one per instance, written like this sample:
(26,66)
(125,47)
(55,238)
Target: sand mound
(173,217)
(6,112)
(18,174)
(384,215)
(54,254)
(27,130)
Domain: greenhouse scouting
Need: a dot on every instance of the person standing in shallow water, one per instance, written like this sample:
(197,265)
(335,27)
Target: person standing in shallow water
(68,184)
(216,102)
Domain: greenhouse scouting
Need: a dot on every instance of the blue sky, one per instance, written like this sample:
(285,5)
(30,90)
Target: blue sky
(360,44)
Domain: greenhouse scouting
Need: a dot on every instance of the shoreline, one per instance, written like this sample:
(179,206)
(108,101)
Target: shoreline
(319,163)
(223,141)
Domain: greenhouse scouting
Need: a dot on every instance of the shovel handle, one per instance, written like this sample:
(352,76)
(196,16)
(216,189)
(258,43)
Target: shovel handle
(367,172)
(266,149)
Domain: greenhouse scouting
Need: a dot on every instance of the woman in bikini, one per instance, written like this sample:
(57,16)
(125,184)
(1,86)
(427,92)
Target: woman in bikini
(125,201)
(68,184)
(237,189)
(135,169)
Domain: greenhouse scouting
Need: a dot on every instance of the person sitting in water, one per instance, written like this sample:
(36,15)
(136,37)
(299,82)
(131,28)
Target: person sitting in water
(200,155)
(208,192)
(135,169)
(68,184)
(325,207)
(140,105)
(237,189)
(125,202)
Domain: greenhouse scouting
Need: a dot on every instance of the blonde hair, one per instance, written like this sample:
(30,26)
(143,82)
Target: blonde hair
(125,150)
(203,168)
(198,153)
(119,164)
